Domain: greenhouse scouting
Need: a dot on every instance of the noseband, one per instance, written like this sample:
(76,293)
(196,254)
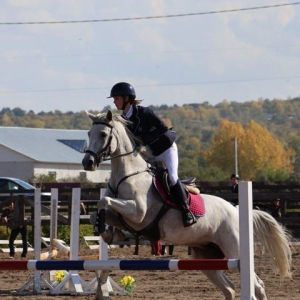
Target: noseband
(104,154)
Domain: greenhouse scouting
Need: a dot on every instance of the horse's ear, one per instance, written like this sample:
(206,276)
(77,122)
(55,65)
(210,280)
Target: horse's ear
(91,116)
(109,116)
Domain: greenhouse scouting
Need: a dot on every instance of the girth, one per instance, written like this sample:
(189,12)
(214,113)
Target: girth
(150,232)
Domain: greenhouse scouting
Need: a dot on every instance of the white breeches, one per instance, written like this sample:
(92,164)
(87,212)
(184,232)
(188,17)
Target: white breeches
(170,160)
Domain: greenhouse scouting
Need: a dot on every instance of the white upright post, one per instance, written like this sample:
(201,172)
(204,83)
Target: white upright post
(72,278)
(46,277)
(74,241)
(37,238)
(75,222)
(246,241)
(33,286)
(110,287)
(53,221)
(103,252)
(103,255)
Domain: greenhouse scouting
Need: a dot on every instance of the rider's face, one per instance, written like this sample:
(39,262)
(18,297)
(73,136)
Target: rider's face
(118,101)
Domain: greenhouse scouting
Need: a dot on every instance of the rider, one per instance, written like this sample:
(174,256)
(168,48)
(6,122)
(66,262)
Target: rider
(147,126)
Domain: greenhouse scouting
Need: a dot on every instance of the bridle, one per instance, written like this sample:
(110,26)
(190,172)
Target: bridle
(104,153)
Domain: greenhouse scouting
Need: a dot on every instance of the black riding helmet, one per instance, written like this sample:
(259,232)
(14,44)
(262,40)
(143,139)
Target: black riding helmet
(235,176)
(122,89)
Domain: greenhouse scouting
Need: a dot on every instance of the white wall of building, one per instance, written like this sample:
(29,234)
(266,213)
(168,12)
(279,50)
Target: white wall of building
(9,155)
(63,171)
(21,170)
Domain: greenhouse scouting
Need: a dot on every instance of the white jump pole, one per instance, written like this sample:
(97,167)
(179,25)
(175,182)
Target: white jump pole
(246,240)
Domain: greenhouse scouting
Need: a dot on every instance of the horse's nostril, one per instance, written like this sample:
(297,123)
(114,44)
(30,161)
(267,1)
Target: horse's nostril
(87,162)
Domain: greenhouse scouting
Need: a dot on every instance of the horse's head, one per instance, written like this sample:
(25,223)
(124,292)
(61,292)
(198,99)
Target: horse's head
(101,141)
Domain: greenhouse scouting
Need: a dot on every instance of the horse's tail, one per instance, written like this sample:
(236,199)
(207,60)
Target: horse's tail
(275,239)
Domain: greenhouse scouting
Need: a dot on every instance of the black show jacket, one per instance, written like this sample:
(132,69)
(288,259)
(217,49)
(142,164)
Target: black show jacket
(151,129)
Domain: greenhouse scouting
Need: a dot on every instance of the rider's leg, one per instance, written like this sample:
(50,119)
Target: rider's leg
(170,159)
(179,195)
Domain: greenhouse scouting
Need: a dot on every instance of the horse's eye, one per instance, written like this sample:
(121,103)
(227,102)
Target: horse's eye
(103,134)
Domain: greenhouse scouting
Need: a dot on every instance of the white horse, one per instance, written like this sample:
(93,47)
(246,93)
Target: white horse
(132,199)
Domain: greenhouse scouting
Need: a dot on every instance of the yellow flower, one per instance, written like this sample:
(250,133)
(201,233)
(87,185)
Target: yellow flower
(59,275)
(128,283)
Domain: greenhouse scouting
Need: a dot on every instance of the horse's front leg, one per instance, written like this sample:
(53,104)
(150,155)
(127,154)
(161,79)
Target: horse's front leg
(113,233)
(134,210)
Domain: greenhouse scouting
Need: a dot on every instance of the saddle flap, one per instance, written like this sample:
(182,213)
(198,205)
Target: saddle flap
(196,201)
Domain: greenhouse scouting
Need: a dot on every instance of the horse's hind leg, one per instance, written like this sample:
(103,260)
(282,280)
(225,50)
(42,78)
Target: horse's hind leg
(217,277)
(259,287)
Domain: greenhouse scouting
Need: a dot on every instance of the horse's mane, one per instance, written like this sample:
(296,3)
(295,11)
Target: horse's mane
(117,118)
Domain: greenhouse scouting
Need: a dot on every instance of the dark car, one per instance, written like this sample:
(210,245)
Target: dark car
(16,184)
(9,183)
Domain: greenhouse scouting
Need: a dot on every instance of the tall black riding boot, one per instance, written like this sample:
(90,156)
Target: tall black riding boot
(179,195)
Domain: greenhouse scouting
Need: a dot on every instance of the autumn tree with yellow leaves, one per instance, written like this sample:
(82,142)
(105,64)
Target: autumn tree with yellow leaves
(260,155)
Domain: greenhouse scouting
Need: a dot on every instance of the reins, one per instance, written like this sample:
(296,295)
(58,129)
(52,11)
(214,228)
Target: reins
(115,192)
(123,154)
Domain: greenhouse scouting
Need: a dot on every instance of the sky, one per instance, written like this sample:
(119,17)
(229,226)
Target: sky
(203,56)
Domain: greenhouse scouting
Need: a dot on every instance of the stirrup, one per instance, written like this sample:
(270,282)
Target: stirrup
(192,220)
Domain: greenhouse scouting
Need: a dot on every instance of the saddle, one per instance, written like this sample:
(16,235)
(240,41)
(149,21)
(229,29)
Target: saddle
(190,183)
(194,198)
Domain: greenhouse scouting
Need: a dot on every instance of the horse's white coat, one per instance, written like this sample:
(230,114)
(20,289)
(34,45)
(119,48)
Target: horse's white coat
(138,203)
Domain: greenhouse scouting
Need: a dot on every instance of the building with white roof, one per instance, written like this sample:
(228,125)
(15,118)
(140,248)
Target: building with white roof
(25,152)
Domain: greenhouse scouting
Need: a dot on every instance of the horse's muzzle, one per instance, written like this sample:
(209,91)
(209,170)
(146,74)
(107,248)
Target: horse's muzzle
(89,163)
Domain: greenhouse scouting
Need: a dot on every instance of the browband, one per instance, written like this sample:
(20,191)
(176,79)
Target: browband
(103,123)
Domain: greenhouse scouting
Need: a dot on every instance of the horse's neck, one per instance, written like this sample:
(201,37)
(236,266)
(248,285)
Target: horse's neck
(125,165)
(126,161)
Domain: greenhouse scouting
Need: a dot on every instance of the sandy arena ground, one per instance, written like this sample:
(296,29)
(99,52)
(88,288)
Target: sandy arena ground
(152,285)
